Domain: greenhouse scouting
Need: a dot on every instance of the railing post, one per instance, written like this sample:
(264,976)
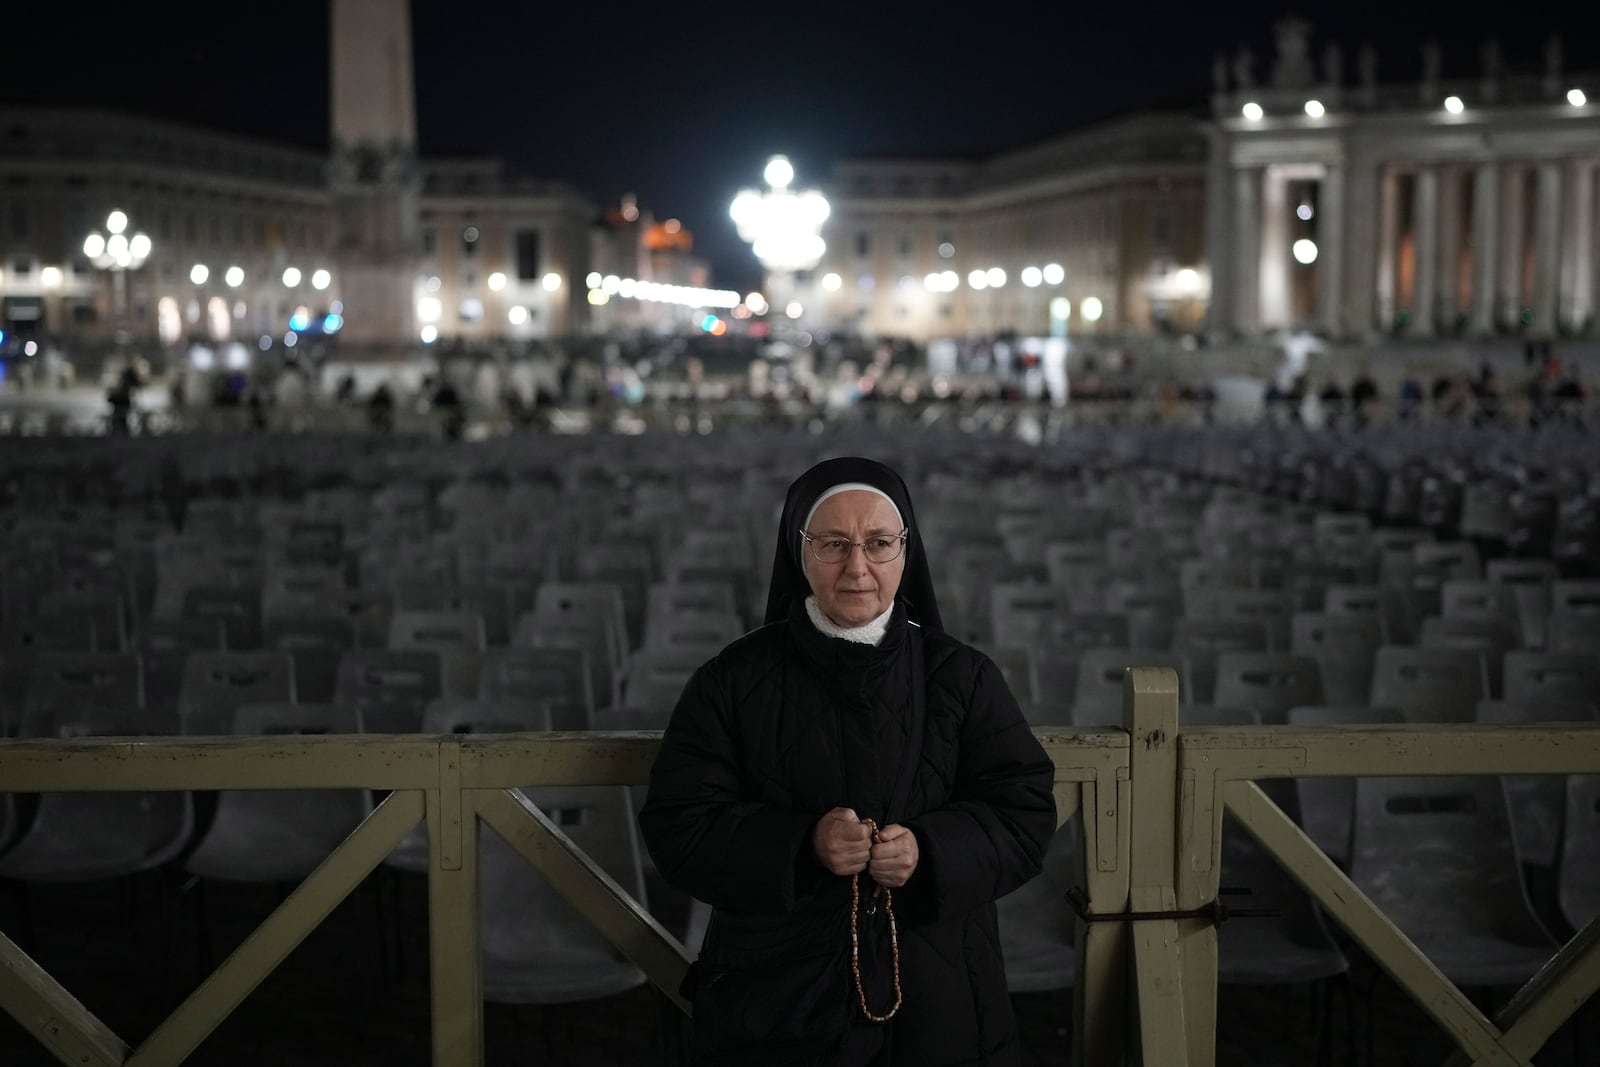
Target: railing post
(1100,994)
(1150,713)
(455,956)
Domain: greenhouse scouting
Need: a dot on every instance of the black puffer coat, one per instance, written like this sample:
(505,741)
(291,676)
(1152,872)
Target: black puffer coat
(786,724)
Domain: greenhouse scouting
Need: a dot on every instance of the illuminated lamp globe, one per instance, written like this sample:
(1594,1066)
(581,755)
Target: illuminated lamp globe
(831,282)
(1315,109)
(779,172)
(1054,274)
(1032,277)
(1305,250)
(1252,111)
(1092,309)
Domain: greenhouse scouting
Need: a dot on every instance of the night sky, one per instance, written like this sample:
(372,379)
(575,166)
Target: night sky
(683,103)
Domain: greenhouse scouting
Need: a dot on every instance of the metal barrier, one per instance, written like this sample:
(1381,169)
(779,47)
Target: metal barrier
(1152,800)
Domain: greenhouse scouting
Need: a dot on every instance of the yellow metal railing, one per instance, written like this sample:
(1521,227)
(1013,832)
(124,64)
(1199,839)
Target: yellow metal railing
(1152,799)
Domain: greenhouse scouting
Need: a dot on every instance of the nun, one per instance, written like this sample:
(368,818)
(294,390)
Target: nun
(850,788)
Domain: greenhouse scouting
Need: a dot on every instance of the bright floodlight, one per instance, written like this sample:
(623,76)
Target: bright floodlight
(1305,250)
(1252,111)
(497,281)
(94,246)
(1304,212)
(50,277)
(996,276)
(117,221)
(291,276)
(952,280)
(320,279)
(234,277)
(934,282)
(1054,274)
(1576,97)
(779,172)
(517,315)
(978,279)
(1032,276)
(794,310)
(199,273)
(551,282)
(1092,309)
(429,309)
(591,280)
(1454,105)
(1061,308)
(1188,278)
(832,282)
(139,246)
(429,334)
(1315,109)
(117,246)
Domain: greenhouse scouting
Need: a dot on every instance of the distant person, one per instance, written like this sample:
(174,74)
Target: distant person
(1410,397)
(380,409)
(1332,399)
(1363,397)
(121,397)
(452,414)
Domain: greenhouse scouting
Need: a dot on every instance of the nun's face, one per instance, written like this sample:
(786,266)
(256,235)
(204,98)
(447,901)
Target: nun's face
(854,592)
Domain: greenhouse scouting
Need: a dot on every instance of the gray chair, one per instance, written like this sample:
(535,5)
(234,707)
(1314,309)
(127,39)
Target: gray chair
(1200,641)
(1343,646)
(389,687)
(1438,857)
(1535,675)
(217,684)
(280,835)
(556,677)
(1490,634)
(80,837)
(537,948)
(1036,922)
(1097,699)
(64,682)
(1327,805)
(1429,684)
(1268,683)
(1536,800)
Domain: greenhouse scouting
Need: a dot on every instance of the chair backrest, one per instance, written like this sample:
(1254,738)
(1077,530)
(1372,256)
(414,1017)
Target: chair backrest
(1021,612)
(558,678)
(655,678)
(537,948)
(489,602)
(62,681)
(237,608)
(390,687)
(1578,888)
(1200,641)
(1327,805)
(1271,607)
(595,637)
(453,715)
(1036,922)
(215,684)
(697,630)
(1438,561)
(1572,631)
(1343,646)
(1491,635)
(574,602)
(1578,597)
(1268,683)
(666,599)
(1438,856)
(1536,799)
(1429,684)
(1476,598)
(437,630)
(1536,675)
(1097,699)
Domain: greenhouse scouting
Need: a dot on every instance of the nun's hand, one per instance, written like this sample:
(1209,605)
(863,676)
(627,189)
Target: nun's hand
(842,842)
(894,857)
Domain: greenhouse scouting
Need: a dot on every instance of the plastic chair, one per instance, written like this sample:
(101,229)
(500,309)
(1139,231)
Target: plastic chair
(491,604)
(280,835)
(1438,857)
(656,678)
(80,837)
(1097,698)
(315,643)
(1327,805)
(237,608)
(1536,799)
(1578,886)
(1268,683)
(705,632)
(1200,641)
(587,602)
(216,684)
(1343,646)
(1535,675)
(389,687)
(663,600)
(455,716)
(1429,684)
(1490,635)
(1037,924)
(457,637)
(1021,612)
(594,637)
(1529,581)
(537,948)
(61,683)
(1273,608)
(556,677)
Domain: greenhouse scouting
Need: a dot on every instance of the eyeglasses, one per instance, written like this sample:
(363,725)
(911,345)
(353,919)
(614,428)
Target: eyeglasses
(884,548)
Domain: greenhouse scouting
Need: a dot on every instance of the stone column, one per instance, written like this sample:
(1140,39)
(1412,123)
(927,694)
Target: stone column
(1577,244)
(1485,216)
(1425,242)
(1448,303)
(1547,250)
(1388,239)
(1361,249)
(1508,297)
(1221,235)
(1247,249)
(1331,239)
(1275,311)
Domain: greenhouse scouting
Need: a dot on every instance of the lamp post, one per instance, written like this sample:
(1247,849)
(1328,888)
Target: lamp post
(783,228)
(119,252)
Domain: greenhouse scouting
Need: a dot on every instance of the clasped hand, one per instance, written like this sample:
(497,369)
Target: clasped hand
(843,845)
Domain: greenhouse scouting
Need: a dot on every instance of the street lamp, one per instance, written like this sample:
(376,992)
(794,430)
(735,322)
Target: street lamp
(118,252)
(783,228)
